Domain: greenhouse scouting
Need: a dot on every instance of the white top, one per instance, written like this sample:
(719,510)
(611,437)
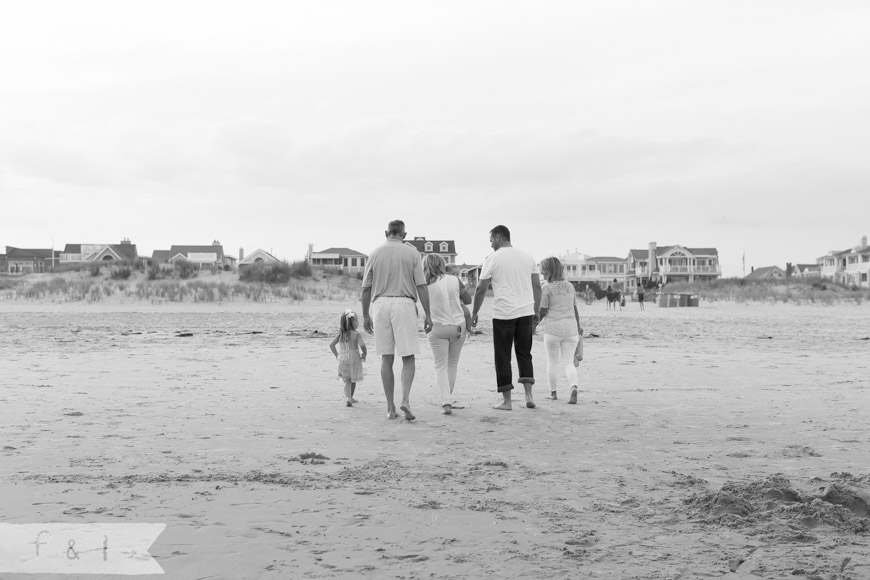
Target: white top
(510,271)
(559,299)
(444,301)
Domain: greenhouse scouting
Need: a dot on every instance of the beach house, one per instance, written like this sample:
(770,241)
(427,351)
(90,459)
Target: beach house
(850,266)
(573,265)
(444,248)
(807,270)
(201,256)
(29,260)
(343,260)
(468,274)
(579,269)
(92,253)
(766,273)
(672,264)
(258,257)
(603,270)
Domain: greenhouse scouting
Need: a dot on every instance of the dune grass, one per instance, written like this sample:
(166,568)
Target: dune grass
(792,290)
(82,286)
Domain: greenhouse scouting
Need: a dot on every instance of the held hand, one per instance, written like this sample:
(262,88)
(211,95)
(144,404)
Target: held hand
(367,325)
(363,358)
(474,321)
(427,324)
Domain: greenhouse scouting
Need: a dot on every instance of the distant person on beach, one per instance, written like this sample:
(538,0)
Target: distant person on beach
(453,270)
(446,299)
(351,354)
(614,295)
(590,295)
(392,283)
(560,321)
(640,294)
(516,289)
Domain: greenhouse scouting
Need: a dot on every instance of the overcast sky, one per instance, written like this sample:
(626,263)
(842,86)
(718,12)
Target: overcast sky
(600,126)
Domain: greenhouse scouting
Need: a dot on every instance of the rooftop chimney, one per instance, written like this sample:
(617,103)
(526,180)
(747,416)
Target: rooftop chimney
(241,254)
(215,243)
(126,241)
(863,241)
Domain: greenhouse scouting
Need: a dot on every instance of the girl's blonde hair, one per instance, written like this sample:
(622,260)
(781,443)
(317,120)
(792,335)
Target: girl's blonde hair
(433,267)
(346,324)
(551,269)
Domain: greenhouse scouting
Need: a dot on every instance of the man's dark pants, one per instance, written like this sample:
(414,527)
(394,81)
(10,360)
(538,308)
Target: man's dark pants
(516,333)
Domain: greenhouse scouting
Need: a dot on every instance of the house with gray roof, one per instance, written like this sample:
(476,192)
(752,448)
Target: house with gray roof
(201,256)
(93,253)
(444,248)
(344,260)
(672,264)
(258,257)
(29,260)
(766,273)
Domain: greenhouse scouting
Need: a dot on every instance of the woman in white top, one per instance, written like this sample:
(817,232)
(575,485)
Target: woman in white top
(446,297)
(561,325)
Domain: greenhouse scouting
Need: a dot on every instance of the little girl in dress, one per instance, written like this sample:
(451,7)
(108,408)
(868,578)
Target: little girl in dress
(351,354)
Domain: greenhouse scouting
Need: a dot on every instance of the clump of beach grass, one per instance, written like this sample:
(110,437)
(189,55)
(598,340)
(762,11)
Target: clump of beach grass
(281,273)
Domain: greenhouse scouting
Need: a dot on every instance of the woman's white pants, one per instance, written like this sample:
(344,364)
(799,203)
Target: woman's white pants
(560,356)
(446,342)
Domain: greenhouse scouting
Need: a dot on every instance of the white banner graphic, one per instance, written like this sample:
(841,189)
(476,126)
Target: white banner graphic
(78,548)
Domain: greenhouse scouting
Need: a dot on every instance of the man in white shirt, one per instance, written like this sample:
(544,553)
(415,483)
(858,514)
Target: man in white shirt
(516,287)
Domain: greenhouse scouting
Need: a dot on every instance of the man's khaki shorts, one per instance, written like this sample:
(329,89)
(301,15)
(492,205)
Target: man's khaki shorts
(395,325)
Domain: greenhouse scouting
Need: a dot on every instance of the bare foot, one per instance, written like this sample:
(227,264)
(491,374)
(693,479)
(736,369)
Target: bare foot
(352,400)
(392,415)
(530,402)
(349,404)
(406,409)
(553,396)
(505,406)
(446,409)
(573,399)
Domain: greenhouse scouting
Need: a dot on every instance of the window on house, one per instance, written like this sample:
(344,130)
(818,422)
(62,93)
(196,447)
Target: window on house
(444,246)
(427,247)
(353,262)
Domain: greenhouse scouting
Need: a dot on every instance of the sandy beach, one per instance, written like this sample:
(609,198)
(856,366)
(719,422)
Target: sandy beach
(725,441)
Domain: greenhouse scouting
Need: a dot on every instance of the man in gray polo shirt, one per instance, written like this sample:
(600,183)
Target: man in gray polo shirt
(392,283)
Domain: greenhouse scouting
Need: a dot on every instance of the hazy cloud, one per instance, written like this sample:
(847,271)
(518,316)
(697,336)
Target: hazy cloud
(61,165)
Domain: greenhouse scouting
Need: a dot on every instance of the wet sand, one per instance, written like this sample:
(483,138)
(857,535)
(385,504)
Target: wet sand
(726,441)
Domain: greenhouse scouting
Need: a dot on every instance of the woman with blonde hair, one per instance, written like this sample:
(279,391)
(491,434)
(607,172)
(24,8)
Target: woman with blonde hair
(563,336)
(446,299)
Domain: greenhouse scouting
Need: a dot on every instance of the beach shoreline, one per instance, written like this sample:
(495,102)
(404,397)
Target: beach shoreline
(701,443)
